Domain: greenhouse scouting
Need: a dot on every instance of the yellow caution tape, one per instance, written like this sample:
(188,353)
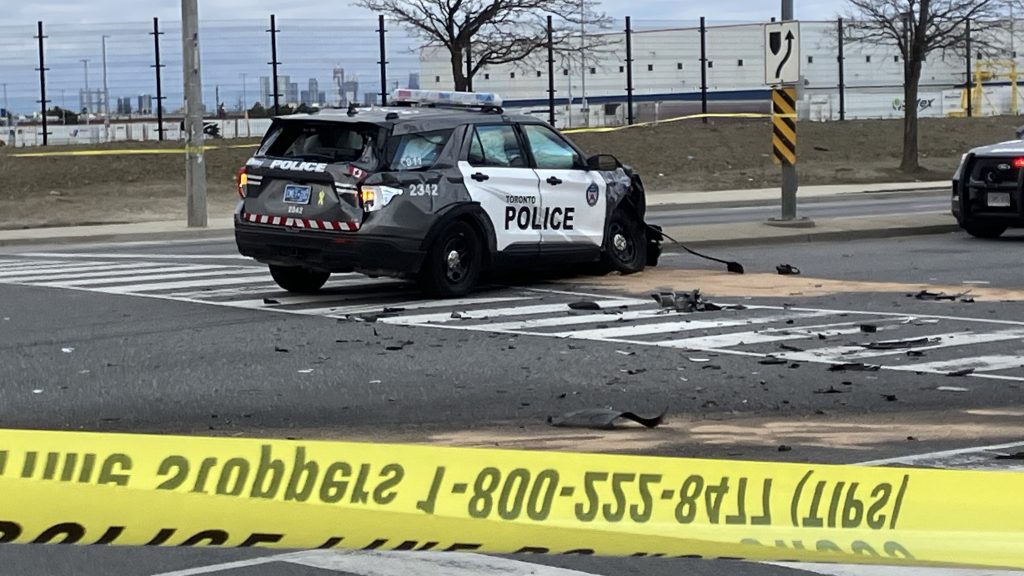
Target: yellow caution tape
(667,120)
(126,152)
(120,489)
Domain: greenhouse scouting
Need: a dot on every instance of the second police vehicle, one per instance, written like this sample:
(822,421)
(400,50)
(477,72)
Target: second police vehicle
(440,188)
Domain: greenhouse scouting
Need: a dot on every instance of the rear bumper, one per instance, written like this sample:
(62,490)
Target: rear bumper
(329,251)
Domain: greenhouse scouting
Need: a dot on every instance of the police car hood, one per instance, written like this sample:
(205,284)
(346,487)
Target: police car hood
(1008,148)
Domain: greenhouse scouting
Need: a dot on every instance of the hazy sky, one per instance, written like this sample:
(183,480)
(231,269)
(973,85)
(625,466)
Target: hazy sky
(75,11)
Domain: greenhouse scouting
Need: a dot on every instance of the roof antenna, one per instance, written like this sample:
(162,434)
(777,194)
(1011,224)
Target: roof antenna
(352,109)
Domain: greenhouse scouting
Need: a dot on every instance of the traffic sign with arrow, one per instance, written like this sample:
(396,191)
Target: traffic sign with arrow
(781,53)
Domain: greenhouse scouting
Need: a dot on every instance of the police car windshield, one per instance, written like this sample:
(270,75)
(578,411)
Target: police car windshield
(416,151)
(320,141)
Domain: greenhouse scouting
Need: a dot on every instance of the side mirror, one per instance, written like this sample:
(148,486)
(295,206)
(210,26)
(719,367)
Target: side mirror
(603,163)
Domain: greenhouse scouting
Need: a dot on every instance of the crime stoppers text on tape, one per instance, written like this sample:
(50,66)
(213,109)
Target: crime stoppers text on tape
(121,489)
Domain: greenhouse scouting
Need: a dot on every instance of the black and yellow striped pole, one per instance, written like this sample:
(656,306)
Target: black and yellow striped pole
(784,126)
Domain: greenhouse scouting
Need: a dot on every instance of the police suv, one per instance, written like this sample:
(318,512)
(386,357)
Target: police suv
(441,187)
(988,189)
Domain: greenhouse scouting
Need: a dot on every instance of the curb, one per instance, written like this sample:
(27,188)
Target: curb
(803,236)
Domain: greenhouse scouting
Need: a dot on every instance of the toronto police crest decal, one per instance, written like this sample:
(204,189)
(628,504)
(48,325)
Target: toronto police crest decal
(592,194)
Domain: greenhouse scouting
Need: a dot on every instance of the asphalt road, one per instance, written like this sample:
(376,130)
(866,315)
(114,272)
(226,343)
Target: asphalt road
(177,338)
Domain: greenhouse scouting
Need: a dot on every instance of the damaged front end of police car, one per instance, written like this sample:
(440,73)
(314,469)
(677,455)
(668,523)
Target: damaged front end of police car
(440,188)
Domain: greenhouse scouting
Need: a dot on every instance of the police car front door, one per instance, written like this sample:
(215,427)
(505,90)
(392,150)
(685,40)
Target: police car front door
(574,199)
(498,176)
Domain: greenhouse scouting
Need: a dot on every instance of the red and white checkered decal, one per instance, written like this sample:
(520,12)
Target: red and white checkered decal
(300,222)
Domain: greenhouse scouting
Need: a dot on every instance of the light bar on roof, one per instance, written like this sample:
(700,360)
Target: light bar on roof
(446,97)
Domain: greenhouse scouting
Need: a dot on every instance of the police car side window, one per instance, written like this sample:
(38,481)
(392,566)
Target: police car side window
(417,151)
(550,151)
(495,146)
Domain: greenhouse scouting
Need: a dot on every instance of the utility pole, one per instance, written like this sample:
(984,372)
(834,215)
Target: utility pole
(106,93)
(195,168)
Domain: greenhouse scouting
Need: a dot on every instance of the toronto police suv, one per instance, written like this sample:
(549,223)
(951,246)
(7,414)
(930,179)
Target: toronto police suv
(440,188)
(988,189)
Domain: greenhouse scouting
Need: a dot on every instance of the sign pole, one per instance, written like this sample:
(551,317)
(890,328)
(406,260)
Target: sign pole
(782,71)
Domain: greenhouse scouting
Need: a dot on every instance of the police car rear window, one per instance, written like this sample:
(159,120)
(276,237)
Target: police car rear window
(319,141)
(416,151)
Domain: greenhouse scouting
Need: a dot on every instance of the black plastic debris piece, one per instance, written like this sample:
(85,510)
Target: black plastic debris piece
(785,448)
(270,301)
(390,310)
(691,301)
(868,328)
(854,367)
(457,315)
(399,346)
(584,305)
(602,419)
(915,353)
(787,270)
(1014,456)
(770,360)
(829,390)
(938,296)
(890,397)
(279,349)
(898,344)
(711,367)
(964,372)
(790,348)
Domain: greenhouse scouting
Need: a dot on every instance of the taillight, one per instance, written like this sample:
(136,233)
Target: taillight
(1018,162)
(373,198)
(242,179)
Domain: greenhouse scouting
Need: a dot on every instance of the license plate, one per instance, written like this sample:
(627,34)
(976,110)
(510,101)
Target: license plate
(296,194)
(998,199)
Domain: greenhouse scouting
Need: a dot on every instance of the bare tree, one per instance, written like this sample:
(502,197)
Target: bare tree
(918,28)
(499,31)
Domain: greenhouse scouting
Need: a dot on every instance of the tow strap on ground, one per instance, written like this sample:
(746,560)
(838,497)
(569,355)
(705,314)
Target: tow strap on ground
(734,267)
(140,490)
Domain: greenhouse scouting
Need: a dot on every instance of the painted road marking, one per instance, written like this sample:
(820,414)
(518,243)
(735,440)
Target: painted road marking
(393,564)
(954,342)
(146,276)
(132,255)
(107,273)
(679,326)
(442,318)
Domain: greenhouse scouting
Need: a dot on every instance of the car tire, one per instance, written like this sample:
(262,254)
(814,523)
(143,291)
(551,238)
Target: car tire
(984,230)
(299,280)
(625,244)
(453,263)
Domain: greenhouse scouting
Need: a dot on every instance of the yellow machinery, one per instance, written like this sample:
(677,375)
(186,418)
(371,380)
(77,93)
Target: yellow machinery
(989,71)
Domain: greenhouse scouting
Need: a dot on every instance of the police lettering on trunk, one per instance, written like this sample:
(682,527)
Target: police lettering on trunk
(534,218)
(298,166)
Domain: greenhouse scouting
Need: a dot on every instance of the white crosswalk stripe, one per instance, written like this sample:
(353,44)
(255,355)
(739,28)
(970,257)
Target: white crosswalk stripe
(931,344)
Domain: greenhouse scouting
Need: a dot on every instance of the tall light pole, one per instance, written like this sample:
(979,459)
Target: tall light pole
(583,61)
(88,95)
(7,111)
(245,105)
(106,94)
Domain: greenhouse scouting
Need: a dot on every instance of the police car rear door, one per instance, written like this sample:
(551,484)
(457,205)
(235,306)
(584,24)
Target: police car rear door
(573,198)
(498,176)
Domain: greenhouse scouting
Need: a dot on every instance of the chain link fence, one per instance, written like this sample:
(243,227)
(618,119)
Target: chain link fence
(101,79)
